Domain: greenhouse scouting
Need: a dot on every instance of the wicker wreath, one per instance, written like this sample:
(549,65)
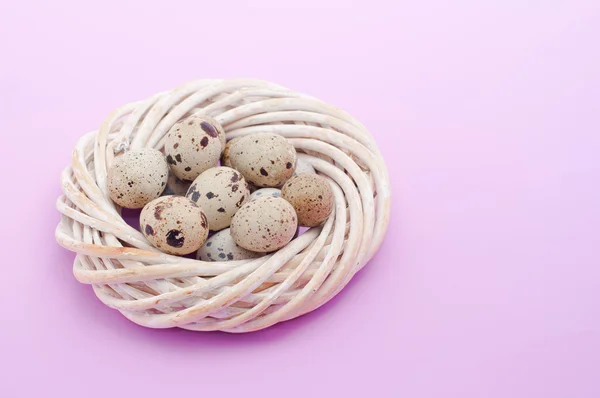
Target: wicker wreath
(158,290)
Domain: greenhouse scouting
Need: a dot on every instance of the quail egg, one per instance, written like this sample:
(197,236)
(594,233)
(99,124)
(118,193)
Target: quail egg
(264,159)
(174,225)
(264,225)
(311,196)
(137,177)
(220,191)
(193,145)
(222,247)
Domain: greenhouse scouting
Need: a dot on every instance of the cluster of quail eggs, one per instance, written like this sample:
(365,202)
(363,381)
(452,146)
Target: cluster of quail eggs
(224,200)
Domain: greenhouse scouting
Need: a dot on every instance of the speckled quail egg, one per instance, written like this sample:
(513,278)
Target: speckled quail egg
(220,191)
(302,166)
(176,187)
(264,159)
(137,177)
(174,225)
(222,247)
(225,160)
(194,145)
(311,196)
(264,192)
(264,225)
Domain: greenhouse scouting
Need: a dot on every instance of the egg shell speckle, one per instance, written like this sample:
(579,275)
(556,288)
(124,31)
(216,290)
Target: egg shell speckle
(220,191)
(137,177)
(222,247)
(264,192)
(264,225)
(311,196)
(220,130)
(194,145)
(174,225)
(265,159)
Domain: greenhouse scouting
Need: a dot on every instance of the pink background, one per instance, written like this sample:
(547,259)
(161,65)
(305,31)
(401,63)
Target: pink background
(488,283)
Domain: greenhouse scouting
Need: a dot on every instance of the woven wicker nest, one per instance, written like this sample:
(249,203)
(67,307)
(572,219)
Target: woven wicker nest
(158,290)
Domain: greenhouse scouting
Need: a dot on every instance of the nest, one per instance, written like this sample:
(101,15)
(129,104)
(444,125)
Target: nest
(158,290)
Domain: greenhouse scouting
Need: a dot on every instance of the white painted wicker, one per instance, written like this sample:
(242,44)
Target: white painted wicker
(158,290)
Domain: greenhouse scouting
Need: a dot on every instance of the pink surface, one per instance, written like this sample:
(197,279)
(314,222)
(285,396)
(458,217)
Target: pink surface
(488,283)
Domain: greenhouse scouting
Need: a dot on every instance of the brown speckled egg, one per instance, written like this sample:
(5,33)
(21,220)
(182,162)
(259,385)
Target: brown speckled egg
(176,187)
(225,161)
(174,225)
(222,247)
(264,225)
(220,191)
(137,177)
(193,145)
(312,198)
(265,159)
